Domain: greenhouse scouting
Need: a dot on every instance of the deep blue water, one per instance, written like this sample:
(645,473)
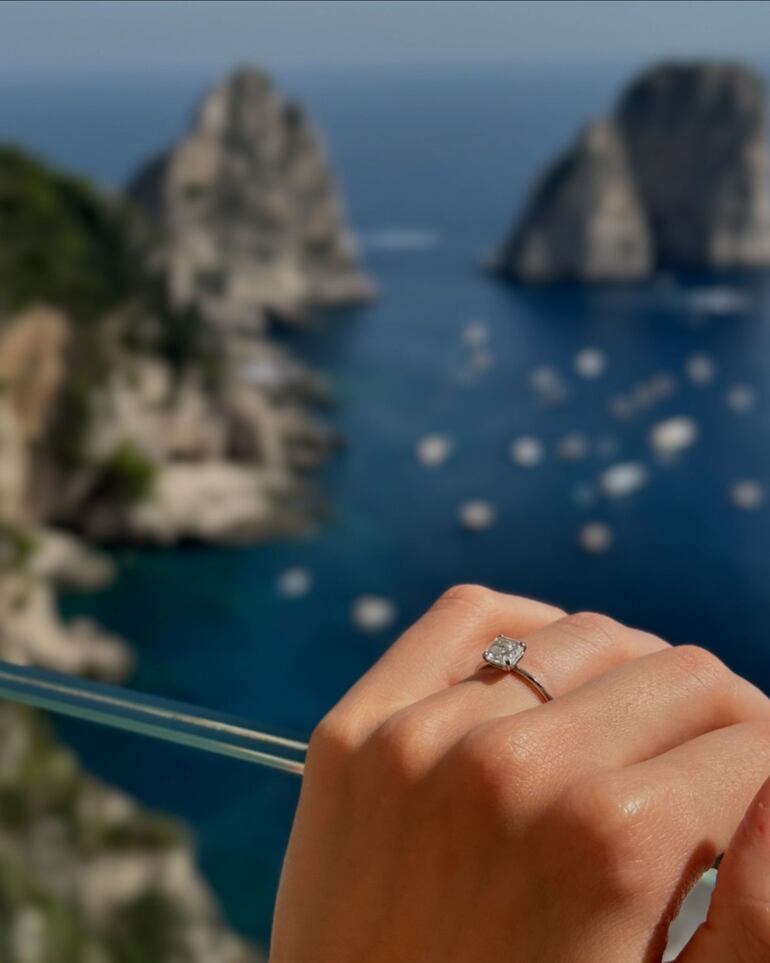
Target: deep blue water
(451,154)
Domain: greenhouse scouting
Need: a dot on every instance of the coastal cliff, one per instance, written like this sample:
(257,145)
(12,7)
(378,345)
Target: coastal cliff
(697,140)
(676,177)
(249,219)
(88,876)
(127,419)
(585,220)
(142,399)
(85,874)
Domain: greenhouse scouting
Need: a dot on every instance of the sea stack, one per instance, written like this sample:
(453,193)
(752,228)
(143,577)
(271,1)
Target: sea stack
(585,220)
(251,225)
(697,140)
(677,177)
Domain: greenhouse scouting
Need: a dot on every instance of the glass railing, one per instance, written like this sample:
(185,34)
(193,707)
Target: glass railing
(151,716)
(135,828)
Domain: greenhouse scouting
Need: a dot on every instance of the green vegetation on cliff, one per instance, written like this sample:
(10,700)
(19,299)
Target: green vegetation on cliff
(60,242)
(42,784)
(127,474)
(65,244)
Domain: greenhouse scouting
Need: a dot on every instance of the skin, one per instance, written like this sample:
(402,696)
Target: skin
(447,816)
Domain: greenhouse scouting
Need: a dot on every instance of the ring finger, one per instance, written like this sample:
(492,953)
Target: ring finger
(563,655)
(439,650)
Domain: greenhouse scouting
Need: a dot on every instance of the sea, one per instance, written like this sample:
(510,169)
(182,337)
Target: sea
(434,165)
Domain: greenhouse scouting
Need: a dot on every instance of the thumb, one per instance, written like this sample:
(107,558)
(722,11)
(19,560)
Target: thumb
(738,924)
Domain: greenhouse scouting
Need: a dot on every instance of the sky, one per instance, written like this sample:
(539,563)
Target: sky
(76,37)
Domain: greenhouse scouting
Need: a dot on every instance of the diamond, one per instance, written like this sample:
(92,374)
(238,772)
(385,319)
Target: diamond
(504,653)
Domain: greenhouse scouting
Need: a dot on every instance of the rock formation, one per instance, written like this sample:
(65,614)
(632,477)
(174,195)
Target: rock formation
(585,220)
(165,456)
(677,177)
(251,225)
(697,141)
(132,410)
(124,419)
(88,876)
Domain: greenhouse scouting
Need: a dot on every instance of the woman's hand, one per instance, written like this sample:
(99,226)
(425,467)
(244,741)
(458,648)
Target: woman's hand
(447,816)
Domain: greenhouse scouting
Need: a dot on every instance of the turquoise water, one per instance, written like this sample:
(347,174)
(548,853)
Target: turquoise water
(448,156)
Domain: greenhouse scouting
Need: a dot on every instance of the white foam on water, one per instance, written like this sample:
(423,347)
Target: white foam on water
(590,363)
(433,450)
(662,386)
(747,494)
(622,407)
(476,515)
(476,334)
(701,369)
(481,361)
(673,435)
(548,384)
(527,451)
(294,583)
(624,478)
(399,239)
(741,399)
(596,538)
(373,613)
(574,446)
(718,301)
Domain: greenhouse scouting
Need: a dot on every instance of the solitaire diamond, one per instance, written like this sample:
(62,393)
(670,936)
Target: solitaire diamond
(504,653)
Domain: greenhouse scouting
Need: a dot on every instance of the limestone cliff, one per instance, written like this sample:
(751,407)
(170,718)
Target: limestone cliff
(585,219)
(142,400)
(136,421)
(86,875)
(248,213)
(678,177)
(697,140)
(162,454)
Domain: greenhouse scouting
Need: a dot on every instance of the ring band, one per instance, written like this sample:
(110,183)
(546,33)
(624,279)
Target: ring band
(506,654)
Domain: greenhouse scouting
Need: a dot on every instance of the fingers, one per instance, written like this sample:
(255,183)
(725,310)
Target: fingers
(655,827)
(738,926)
(441,648)
(702,789)
(642,698)
(445,645)
(563,655)
(648,706)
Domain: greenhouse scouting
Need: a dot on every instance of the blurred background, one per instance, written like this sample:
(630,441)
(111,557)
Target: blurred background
(309,311)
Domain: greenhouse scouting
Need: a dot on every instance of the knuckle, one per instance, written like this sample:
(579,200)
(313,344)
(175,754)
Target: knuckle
(475,597)
(477,766)
(757,731)
(404,745)
(615,824)
(598,807)
(502,764)
(592,627)
(334,736)
(701,668)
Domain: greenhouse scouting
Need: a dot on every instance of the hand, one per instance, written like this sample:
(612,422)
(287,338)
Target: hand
(447,816)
